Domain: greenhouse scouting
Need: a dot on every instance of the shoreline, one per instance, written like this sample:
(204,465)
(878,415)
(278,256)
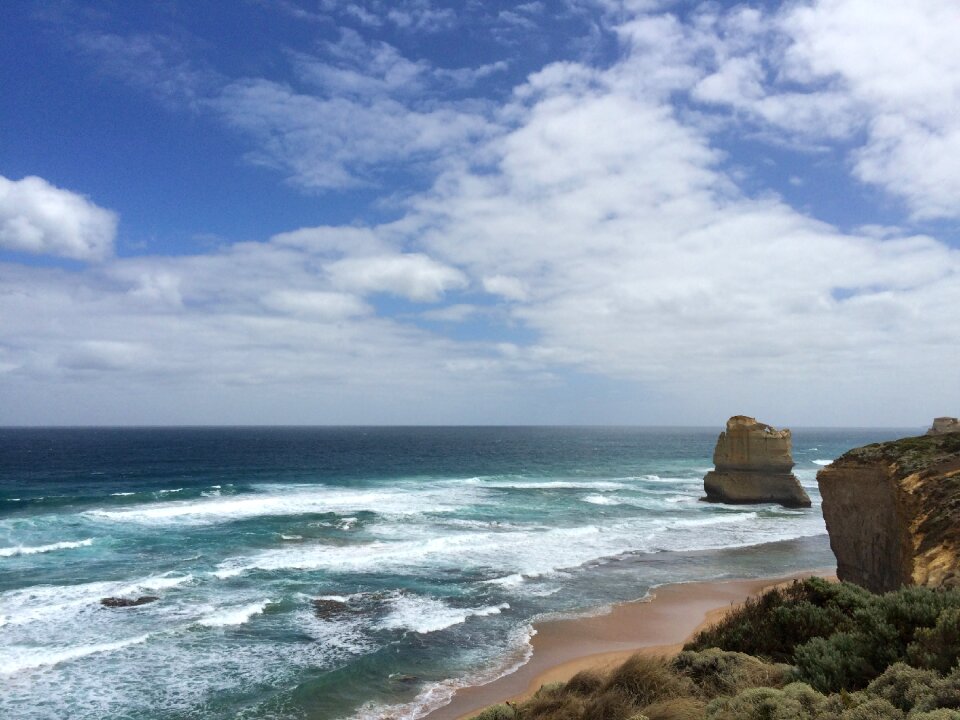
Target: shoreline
(658,624)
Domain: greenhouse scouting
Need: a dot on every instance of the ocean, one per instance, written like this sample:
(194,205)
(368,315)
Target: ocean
(431,552)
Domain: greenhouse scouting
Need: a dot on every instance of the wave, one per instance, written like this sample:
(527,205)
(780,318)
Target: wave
(17,658)
(121,494)
(57,603)
(601,485)
(601,500)
(823,463)
(530,551)
(25,550)
(296,500)
(425,615)
(234,615)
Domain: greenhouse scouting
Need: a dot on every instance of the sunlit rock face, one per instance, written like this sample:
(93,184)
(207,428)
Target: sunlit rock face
(752,465)
(893,512)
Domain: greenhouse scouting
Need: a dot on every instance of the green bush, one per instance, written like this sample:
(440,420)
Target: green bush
(772,625)
(719,672)
(901,685)
(937,647)
(497,712)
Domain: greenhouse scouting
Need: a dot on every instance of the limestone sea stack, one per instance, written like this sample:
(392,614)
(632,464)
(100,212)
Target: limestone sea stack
(893,512)
(753,465)
(944,425)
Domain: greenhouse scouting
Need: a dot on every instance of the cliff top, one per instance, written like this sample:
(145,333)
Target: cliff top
(925,453)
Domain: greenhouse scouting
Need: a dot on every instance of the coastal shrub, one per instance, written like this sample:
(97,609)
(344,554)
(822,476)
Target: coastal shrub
(757,704)
(645,680)
(835,663)
(721,672)
(772,625)
(497,712)
(938,647)
(903,685)
(555,705)
(941,714)
(610,704)
(941,694)
(684,708)
(873,709)
(585,682)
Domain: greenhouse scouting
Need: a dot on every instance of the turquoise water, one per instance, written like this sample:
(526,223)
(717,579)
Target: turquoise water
(442,544)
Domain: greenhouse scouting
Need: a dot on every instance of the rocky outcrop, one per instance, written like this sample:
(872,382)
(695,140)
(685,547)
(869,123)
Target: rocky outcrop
(944,425)
(121,602)
(753,463)
(893,512)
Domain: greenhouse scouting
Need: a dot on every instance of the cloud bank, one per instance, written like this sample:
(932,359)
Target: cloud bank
(585,250)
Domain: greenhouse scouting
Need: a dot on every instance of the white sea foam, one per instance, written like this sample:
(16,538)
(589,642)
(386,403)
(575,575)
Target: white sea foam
(601,485)
(45,604)
(291,537)
(530,551)
(121,494)
(26,550)
(426,614)
(823,463)
(17,658)
(601,500)
(233,615)
(297,500)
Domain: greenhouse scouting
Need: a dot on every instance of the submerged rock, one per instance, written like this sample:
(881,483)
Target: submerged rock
(944,425)
(328,608)
(119,602)
(753,463)
(893,512)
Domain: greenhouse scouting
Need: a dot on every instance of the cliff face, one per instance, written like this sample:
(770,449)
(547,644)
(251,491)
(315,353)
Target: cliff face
(944,425)
(753,463)
(893,512)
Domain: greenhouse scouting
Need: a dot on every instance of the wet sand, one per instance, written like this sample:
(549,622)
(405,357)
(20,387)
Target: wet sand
(656,625)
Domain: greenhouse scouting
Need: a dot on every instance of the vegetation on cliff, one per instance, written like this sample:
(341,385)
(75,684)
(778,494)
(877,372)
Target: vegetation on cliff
(911,454)
(814,649)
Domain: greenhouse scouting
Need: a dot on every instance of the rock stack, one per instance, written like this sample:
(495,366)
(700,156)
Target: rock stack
(753,465)
(893,512)
(944,425)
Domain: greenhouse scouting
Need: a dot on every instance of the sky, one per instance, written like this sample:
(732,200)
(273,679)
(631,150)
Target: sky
(429,212)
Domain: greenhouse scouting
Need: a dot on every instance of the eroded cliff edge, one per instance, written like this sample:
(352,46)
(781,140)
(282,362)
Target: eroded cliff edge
(893,512)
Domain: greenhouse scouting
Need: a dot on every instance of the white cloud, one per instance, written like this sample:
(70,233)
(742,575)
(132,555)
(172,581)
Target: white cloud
(40,218)
(833,69)
(327,306)
(602,211)
(510,288)
(413,276)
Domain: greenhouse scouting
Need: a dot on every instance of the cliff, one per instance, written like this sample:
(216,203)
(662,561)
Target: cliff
(753,463)
(893,512)
(944,425)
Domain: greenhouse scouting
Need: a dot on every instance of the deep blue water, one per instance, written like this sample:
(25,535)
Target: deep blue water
(444,544)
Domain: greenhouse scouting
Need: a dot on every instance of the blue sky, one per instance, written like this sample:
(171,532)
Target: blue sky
(581,211)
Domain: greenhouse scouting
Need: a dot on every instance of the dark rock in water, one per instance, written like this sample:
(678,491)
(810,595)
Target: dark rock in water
(893,512)
(404,678)
(328,608)
(119,602)
(753,463)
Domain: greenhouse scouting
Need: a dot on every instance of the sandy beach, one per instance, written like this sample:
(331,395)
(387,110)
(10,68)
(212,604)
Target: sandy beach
(658,624)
